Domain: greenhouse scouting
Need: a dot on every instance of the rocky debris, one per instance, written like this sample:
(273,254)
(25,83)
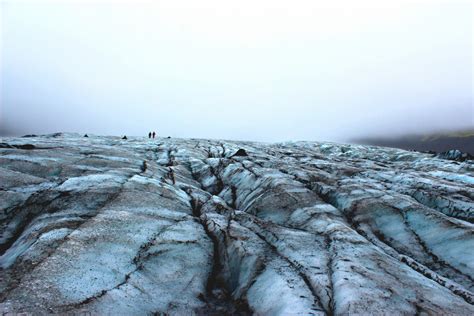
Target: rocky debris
(23,146)
(179,226)
(240,153)
(57,135)
(455,154)
(6,145)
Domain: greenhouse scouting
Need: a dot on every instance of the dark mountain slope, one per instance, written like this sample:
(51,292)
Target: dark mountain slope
(463,141)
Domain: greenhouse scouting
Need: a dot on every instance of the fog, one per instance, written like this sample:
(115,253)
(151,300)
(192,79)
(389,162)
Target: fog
(254,70)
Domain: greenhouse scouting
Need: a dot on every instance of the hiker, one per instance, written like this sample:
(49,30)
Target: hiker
(149,135)
(154,134)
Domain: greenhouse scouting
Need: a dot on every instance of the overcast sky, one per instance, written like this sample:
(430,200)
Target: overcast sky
(266,70)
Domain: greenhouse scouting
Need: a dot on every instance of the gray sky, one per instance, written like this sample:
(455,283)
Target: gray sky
(259,70)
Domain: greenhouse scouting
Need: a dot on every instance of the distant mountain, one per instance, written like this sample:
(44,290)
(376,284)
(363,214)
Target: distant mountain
(440,142)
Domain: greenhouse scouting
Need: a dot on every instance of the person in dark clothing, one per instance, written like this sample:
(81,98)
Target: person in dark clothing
(149,135)
(154,134)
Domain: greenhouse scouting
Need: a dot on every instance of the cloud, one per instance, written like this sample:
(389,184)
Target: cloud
(266,70)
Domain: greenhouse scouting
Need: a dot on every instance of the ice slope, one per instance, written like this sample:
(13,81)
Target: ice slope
(175,226)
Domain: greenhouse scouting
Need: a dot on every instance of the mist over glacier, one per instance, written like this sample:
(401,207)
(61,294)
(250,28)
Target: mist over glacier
(272,70)
(250,199)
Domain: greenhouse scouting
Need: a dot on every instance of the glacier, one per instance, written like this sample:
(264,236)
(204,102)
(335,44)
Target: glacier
(193,226)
